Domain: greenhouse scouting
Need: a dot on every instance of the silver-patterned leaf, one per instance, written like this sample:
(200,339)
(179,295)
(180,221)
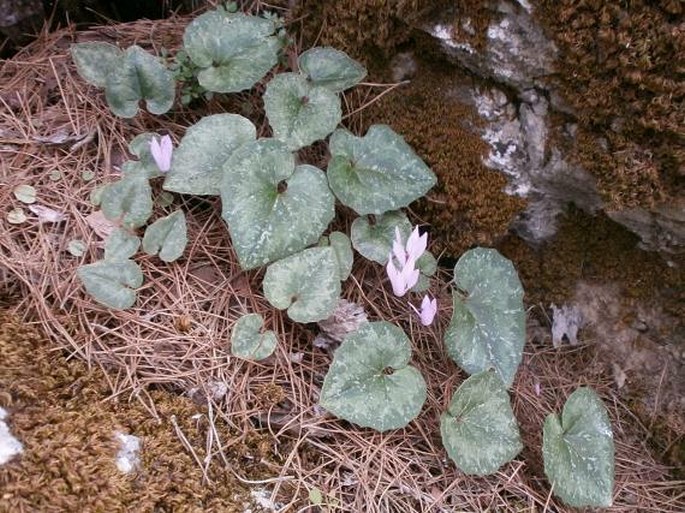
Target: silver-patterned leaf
(331,68)
(247,340)
(300,113)
(139,76)
(145,165)
(95,60)
(112,283)
(129,199)
(487,329)
(307,284)
(25,193)
(374,240)
(578,451)
(197,165)
(370,382)
(121,245)
(273,209)
(376,173)
(167,236)
(234,50)
(479,430)
(343,253)
(427,263)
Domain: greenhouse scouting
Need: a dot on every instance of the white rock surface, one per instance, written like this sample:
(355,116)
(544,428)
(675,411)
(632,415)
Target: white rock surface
(128,458)
(9,445)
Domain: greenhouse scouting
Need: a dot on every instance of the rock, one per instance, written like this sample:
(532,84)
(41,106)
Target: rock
(532,128)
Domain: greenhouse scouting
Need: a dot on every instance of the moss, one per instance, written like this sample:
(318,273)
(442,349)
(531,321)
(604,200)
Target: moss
(468,205)
(618,68)
(64,415)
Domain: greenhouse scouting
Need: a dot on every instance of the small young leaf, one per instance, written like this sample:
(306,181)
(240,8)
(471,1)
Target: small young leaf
(168,236)
(578,451)
(273,209)
(316,497)
(376,173)
(165,199)
(247,342)
(427,264)
(129,199)
(121,245)
(343,253)
(87,175)
(306,283)
(197,166)
(25,193)
(331,68)
(139,76)
(487,329)
(95,60)
(479,430)
(370,382)
(76,247)
(374,241)
(300,113)
(16,216)
(111,283)
(235,51)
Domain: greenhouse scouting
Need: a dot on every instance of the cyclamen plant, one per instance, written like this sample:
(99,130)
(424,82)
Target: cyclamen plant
(277,211)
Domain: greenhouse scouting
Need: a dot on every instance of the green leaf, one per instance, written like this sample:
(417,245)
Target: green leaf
(422,285)
(427,263)
(111,283)
(16,216)
(479,430)
(316,497)
(139,76)
(25,193)
(376,173)
(331,68)
(487,329)
(145,165)
(197,165)
(234,50)
(300,113)
(95,60)
(370,382)
(168,236)
(129,199)
(121,245)
(273,209)
(307,284)
(76,247)
(343,253)
(578,451)
(374,240)
(247,341)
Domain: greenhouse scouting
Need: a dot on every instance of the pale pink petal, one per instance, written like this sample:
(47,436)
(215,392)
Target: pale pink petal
(429,307)
(398,251)
(410,275)
(396,278)
(161,152)
(416,244)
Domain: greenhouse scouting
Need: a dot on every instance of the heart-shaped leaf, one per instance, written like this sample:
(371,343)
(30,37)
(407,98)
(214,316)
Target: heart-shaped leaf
(578,451)
(145,165)
(129,199)
(197,165)
(121,245)
(95,60)
(370,382)
(479,430)
(273,209)
(376,173)
(374,240)
(343,253)
(300,113)
(306,283)
(487,329)
(139,76)
(427,264)
(168,236)
(234,50)
(248,342)
(331,68)
(111,283)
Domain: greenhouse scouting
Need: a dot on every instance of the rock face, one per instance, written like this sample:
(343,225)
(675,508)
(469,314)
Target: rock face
(533,130)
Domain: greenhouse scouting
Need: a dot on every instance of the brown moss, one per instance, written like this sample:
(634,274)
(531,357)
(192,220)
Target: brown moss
(358,26)
(61,413)
(468,205)
(620,66)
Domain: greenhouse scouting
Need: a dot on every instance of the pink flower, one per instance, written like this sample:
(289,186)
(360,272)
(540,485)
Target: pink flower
(402,279)
(416,245)
(429,308)
(161,152)
(405,275)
